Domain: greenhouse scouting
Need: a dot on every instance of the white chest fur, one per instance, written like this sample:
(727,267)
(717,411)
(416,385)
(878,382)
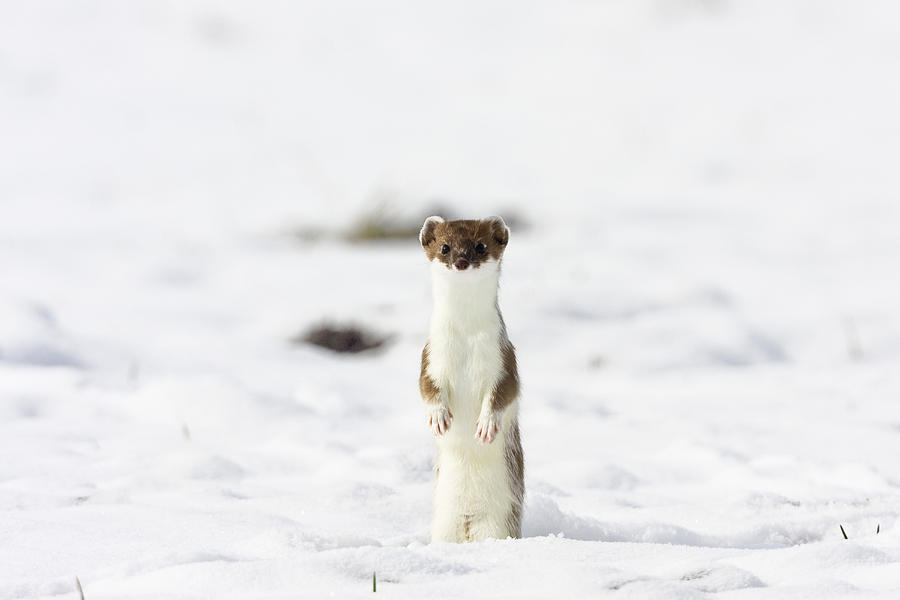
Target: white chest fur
(473,497)
(465,356)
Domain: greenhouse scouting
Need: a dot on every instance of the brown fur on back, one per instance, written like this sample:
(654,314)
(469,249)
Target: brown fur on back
(515,468)
(427,388)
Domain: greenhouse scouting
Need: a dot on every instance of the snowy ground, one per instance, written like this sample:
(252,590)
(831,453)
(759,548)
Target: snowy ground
(702,288)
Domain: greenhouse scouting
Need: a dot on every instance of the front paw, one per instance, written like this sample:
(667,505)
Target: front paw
(439,417)
(488,426)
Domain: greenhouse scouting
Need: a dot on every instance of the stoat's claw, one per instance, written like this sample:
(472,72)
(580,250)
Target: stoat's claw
(439,418)
(487,427)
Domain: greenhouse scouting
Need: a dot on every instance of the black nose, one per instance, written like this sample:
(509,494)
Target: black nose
(461,264)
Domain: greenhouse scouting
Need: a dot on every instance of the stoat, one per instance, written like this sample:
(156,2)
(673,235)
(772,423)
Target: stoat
(470,385)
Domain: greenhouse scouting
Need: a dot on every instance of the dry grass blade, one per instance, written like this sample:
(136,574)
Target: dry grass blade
(383,223)
(80,590)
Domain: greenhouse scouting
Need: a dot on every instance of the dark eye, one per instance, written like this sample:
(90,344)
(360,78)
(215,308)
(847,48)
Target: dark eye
(480,248)
(445,249)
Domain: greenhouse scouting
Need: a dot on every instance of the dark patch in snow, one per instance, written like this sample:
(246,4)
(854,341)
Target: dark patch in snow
(342,339)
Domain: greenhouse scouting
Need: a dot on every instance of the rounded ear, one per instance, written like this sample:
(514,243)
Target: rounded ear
(426,236)
(499,230)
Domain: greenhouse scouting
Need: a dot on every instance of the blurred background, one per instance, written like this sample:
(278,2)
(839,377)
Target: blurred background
(316,110)
(690,130)
(196,197)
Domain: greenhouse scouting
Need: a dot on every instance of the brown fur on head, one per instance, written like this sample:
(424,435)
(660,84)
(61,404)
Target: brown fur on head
(466,243)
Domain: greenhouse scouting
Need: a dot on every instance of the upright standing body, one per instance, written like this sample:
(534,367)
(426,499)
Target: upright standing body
(470,385)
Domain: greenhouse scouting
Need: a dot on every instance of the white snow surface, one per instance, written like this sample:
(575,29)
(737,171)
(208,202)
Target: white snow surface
(701,283)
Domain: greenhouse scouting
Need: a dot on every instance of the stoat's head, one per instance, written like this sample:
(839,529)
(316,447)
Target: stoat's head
(469,246)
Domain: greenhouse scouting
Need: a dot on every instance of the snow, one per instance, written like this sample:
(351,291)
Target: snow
(700,283)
